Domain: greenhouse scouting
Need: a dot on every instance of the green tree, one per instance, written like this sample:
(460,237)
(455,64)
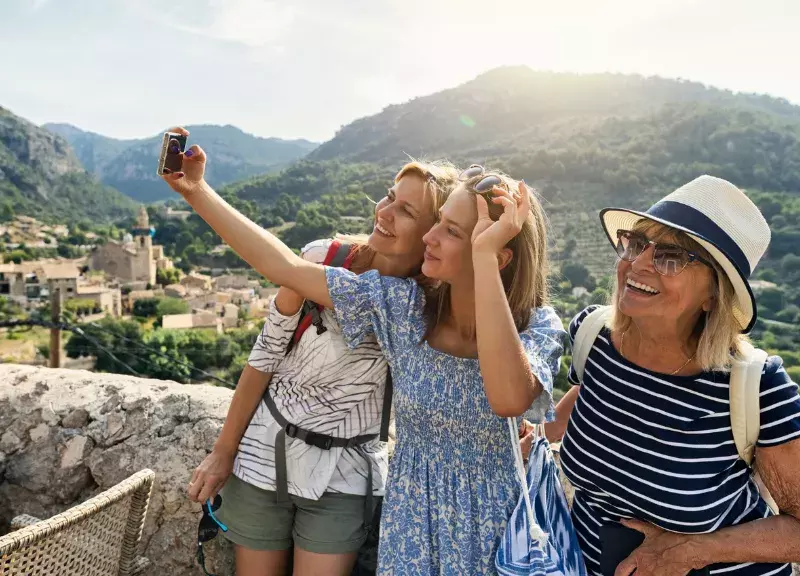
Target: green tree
(578,275)
(790,266)
(600,296)
(145,307)
(9,308)
(789,314)
(771,301)
(165,277)
(768,275)
(6,211)
(165,360)
(81,306)
(167,306)
(122,338)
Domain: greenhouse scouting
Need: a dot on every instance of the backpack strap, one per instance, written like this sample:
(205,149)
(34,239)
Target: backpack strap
(745,407)
(584,339)
(339,255)
(745,386)
(386,414)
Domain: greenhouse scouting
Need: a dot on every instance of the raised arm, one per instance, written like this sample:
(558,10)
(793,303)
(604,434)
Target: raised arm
(508,380)
(262,250)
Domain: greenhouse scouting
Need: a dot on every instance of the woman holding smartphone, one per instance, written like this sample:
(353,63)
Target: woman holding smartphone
(477,347)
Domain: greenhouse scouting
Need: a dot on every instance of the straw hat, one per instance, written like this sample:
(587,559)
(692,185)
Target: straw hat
(720,218)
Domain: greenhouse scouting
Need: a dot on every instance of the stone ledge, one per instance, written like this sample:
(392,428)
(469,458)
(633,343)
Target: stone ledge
(67,435)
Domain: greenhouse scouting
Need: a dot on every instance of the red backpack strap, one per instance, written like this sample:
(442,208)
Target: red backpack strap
(339,255)
(342,257)
(333,250)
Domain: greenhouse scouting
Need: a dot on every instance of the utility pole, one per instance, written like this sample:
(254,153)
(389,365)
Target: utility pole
(55,331)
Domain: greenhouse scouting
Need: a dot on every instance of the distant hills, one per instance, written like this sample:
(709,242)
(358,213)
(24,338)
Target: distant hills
(584,141)
(41,176)
(130,165)
(513,107)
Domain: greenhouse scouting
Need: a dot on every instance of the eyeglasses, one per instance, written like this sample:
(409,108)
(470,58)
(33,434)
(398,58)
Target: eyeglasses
(486,183)
(668,259)
(208,529)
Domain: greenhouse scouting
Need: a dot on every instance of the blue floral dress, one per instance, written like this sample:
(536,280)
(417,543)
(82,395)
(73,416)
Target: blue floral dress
(452,485)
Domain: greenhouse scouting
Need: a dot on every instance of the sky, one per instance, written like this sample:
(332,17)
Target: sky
(304,68)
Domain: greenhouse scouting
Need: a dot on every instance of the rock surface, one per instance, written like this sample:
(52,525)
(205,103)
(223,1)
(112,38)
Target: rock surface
(68,435)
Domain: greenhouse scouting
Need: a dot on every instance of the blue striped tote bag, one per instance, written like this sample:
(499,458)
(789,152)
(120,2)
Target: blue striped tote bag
(540,539)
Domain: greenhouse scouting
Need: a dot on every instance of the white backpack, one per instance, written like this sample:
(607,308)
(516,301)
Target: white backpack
(745,386)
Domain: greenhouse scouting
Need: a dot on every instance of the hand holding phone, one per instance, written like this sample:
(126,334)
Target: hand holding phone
(173,144)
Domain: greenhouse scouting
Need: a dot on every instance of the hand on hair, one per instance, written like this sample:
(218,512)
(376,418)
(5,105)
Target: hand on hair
(491,236)
(193,168)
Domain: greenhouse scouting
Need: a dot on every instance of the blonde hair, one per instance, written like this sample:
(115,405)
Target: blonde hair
(440,176)
(717,331)
(524,278)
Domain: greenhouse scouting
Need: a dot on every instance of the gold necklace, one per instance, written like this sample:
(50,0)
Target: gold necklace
(622,344)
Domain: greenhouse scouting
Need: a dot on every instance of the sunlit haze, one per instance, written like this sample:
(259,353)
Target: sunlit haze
(303,68)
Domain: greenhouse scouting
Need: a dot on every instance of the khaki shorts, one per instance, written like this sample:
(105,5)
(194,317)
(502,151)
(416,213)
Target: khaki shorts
(334,524)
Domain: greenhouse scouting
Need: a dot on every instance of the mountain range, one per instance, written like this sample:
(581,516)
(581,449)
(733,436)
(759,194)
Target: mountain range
(515,106)
(130,165)
(585,141)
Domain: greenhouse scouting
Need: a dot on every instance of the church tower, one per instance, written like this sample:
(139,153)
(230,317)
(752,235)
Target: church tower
(143,264)
(142,233)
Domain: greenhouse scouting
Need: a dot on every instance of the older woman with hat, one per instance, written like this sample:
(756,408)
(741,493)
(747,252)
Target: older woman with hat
(660,487)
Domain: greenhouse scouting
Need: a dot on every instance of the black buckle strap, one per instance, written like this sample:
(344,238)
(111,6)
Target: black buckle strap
(321,441)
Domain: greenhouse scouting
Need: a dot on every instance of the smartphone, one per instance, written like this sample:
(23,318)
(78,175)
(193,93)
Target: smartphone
(170,159)
(617,542)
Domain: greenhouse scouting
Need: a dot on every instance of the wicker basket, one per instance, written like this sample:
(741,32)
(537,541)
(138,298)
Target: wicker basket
(97,538)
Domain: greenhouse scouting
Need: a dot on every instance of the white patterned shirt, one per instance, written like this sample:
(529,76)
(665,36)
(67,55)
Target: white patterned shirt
(322,386)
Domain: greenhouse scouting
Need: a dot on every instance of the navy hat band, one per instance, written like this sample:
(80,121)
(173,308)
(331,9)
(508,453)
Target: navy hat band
(694,221)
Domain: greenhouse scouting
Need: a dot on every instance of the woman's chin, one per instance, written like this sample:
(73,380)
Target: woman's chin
(429,269)
(378,243)
(635,305)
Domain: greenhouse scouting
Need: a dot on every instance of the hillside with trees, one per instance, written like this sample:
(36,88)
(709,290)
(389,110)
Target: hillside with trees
(41,176)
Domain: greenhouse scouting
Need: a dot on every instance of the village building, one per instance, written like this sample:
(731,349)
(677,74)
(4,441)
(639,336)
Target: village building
(135,259)
(175,291)
(195,280)
(205,321)
(234,282)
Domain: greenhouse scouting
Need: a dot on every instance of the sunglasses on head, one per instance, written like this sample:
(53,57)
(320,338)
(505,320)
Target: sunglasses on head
(668,259)
(208,529)
(486,183)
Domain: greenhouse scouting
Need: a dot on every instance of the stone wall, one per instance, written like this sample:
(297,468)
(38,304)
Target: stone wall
(67,435)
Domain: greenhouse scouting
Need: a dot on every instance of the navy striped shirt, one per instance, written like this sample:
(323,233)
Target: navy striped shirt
(660,448)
